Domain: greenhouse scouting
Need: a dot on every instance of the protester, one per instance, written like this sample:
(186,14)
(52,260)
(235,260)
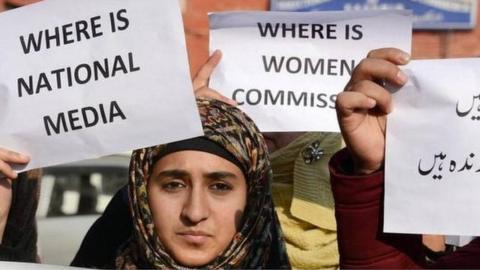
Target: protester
(357,175)
(204,202)
(18,205)
(300,188)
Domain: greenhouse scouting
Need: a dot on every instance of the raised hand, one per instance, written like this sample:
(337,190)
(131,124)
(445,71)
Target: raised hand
(201,80)
(363,106)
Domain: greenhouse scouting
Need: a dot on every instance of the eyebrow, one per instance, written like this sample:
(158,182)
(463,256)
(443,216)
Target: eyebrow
(174,174)
(220,175)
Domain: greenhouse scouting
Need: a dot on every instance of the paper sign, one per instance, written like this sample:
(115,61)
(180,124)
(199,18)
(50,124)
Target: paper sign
(432,167)
(285,68)
(35,266)
(81,79)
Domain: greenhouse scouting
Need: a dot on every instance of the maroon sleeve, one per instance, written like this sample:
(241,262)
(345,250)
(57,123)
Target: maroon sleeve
(358,210)
(467,257)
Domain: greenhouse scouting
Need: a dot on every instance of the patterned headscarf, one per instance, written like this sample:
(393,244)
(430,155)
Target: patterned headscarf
(257,243)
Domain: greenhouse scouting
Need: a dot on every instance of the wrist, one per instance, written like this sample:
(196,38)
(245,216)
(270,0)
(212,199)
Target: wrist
(365,169)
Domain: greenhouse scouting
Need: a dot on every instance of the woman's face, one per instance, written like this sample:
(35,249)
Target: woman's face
(197,200)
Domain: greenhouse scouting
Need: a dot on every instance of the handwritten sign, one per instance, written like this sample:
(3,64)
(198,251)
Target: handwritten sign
(81,79)
(432,167)
(285,69)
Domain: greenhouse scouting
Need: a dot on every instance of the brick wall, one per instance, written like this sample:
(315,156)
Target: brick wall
(195,20)
(426,44)
(447,44)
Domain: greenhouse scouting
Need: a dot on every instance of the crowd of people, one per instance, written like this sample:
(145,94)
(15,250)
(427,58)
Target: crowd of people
(256,200)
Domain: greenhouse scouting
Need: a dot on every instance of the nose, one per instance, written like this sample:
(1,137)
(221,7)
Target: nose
(196,207)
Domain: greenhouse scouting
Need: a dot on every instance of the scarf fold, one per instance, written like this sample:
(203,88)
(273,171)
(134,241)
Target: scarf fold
(258,244)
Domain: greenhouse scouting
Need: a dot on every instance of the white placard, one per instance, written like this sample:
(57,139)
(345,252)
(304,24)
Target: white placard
(82,79)
(35,266)
(286,68)
(432,167)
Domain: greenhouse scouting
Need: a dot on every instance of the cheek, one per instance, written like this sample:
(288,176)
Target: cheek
(228,217)
(166,212)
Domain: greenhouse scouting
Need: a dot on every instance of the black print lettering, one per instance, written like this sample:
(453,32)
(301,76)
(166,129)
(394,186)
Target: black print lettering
(119,17)
(467,165)
(81,74)
(353,32)
(300,30)
(62,35)
(441,156)
(268,97)
(463,113)
(436,168)
(82,118)
(308,66)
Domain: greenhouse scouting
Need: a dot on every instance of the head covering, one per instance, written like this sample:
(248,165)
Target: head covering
(199,144)
(258,243)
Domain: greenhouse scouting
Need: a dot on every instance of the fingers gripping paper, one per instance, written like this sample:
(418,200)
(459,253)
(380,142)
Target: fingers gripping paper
(81,79)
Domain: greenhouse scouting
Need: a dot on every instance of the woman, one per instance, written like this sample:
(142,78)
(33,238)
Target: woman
(203,202)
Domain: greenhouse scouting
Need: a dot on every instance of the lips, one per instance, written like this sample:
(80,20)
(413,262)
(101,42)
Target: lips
(195,237)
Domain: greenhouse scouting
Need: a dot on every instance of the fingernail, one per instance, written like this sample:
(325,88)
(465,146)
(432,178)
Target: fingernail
(24,157)
(390,109)
(401,77)
(231,101)
(14,174)
(371,103)
(405,57)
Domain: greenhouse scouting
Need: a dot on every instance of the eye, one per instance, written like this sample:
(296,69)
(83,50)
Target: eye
(173,186)
(221,186)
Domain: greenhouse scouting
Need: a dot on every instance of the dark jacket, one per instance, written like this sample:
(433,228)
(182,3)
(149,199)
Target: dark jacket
(100,245)
(20,236)
(362,244)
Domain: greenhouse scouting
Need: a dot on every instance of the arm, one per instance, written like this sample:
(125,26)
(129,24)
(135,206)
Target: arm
(466,257)
(358,210)
(357,176)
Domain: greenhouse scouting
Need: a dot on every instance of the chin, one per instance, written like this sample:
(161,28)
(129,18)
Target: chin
(194,260)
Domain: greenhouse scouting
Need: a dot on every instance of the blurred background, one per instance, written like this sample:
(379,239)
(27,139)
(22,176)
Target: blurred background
(74,195)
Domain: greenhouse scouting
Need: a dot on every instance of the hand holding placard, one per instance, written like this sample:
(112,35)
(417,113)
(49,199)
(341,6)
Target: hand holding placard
(364,105)
(92,80)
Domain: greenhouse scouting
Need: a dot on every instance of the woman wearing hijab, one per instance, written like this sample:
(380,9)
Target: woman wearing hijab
(203,202)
